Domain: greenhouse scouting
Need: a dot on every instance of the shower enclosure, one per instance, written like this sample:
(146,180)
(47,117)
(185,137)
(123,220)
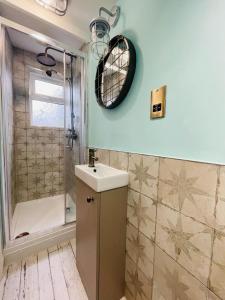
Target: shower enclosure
(43,129)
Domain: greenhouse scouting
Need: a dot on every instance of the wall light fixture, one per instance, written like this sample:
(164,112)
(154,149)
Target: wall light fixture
(100,28)
(59,7)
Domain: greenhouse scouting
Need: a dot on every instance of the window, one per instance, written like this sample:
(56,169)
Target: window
(48,89)
(46,101)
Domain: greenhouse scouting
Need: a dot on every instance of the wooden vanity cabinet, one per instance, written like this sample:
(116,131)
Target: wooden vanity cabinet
(101,241)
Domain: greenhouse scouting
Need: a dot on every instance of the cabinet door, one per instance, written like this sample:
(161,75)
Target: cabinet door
(87,238)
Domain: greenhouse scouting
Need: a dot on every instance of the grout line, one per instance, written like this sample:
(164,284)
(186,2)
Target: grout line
(214,230)
(109,157)
(173,209)
(126,252)
(156,217)
(176,211)
(142,233)
(130,188)
(175,262)
(182,267)
(128,161)
(138,236)
(161,156)
(138,232)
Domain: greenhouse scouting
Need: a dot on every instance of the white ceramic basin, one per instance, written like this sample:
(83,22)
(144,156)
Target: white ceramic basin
(101,177)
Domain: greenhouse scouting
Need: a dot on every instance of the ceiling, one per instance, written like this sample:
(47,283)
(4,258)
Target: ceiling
(74,26)
(24,41)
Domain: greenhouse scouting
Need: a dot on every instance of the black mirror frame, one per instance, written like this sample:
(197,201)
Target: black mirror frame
(130,73)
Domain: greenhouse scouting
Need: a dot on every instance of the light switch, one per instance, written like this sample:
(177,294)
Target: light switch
(158,103)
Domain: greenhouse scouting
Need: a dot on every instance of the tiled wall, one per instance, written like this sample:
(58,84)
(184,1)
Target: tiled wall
(39,151)
(175,227)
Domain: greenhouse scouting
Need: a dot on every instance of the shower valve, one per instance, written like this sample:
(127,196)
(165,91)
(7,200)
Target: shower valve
(71,134)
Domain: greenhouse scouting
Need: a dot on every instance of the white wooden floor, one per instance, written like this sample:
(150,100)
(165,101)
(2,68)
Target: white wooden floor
(50,275)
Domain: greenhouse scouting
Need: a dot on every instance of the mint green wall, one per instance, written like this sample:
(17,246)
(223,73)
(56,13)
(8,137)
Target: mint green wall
(180,43)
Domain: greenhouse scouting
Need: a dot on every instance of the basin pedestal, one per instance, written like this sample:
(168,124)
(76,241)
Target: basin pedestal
(101,241)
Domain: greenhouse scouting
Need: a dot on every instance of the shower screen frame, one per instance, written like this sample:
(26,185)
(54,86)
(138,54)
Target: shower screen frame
(5,226)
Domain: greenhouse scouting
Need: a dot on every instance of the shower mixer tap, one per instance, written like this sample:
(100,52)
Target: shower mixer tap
(71,136)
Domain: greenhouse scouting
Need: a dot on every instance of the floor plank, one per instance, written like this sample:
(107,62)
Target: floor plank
(3,282)
(12,286)
(74,285)
(45,277)
(50,275)
(58,280)
(29,279)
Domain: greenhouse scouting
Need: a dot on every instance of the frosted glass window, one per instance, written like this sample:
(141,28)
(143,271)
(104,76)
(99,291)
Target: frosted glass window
(46,97)
(48,89)
(47,114)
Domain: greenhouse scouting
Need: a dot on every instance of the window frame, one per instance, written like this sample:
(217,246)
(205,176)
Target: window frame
(35,74)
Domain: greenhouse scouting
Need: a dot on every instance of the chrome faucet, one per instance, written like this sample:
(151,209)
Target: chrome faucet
(92,158)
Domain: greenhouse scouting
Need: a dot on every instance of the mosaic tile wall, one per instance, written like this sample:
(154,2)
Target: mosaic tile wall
(39,151)
(175,227)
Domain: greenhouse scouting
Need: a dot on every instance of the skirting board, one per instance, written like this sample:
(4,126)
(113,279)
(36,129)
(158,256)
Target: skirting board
(37,244)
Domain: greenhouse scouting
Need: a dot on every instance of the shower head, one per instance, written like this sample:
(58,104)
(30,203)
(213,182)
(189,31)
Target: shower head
(46,59)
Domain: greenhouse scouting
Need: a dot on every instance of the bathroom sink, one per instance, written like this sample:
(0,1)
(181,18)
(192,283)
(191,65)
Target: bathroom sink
(101,177)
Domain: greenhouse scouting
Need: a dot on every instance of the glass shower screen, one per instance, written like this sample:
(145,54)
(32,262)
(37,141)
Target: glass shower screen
(74,129)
